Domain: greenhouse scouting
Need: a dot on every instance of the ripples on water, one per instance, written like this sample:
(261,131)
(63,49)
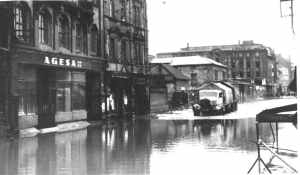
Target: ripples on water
(137,147)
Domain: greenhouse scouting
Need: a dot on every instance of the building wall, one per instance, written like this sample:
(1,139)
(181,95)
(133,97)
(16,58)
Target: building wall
(36,49)
(126,50)
(200,74)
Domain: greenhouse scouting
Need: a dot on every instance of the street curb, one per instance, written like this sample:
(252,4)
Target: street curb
(65,127)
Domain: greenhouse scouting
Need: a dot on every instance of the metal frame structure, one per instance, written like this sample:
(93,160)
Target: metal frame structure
(272,116)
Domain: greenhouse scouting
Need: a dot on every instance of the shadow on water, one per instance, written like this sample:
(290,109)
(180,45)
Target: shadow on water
(119,147)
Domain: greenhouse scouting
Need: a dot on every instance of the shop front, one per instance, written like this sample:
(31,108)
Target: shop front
(127,93)
(53,89)
(119,95)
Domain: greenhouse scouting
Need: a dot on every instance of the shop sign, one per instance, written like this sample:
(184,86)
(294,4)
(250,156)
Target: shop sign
(63,62)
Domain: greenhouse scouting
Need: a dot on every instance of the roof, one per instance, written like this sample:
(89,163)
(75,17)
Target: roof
(161,60)
(187,60)
(194,60)
(175,72)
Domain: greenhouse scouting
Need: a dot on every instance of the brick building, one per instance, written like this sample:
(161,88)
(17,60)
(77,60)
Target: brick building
(58,60)
(251,65)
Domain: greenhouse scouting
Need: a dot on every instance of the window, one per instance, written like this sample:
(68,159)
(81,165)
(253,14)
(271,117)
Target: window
(111,8)
(78,34)
(70,91)
(233,75)
(112,49)
(241,74)
(44,24)
(21,25)
(78,91)
(27,90)
(248,74)
(123,10)
(94,39)
(216,75)
(123,50)
(63,32)
(137,16)
(194,80)
(63,91)
(136,53)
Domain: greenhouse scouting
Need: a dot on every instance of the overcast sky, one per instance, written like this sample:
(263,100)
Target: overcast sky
(174,23)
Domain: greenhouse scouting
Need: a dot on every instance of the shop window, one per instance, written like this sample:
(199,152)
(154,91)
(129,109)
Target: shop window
(21,22)
(44,24)
(27,102)
(78,91)
(63,99)
(63,32)
(63,91)
(94,39)
(70,91)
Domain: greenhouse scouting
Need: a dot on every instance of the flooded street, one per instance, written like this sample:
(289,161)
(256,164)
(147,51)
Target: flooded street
(219,146)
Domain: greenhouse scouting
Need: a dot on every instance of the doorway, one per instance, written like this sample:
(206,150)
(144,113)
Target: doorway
(46,93)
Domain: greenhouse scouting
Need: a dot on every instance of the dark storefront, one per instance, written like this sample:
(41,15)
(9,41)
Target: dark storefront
(126,93)
(52,88)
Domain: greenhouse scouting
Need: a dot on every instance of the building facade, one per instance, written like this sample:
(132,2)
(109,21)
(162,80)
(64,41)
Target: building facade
(126,48)
(251,64)
(55,65)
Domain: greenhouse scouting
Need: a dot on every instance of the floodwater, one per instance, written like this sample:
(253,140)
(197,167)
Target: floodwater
(139,147)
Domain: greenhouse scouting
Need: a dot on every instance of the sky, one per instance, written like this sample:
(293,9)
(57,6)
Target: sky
(174,23)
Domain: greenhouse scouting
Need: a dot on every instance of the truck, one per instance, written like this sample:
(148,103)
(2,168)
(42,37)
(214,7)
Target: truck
(215,96)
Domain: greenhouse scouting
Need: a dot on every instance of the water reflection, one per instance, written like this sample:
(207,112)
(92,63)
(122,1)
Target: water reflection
(121,147)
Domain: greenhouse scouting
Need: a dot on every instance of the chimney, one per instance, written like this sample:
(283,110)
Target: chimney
(187,45)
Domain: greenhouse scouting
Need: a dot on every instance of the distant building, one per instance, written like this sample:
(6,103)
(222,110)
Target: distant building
(199,69)
(253,65)
(284,74)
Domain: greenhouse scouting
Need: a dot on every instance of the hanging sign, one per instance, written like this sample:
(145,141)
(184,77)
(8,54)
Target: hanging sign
(63,62)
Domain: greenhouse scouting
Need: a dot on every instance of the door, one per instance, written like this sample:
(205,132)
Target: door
(46,98)
(93,96)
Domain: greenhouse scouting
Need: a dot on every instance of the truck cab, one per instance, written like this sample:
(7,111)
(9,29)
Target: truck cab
(211,100)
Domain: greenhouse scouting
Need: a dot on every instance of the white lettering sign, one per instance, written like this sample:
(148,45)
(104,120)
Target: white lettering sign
(63,62)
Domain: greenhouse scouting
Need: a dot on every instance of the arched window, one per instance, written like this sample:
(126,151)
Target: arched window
(44,25)
(21,22)
(79,37)
(94,39)
(63,32)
